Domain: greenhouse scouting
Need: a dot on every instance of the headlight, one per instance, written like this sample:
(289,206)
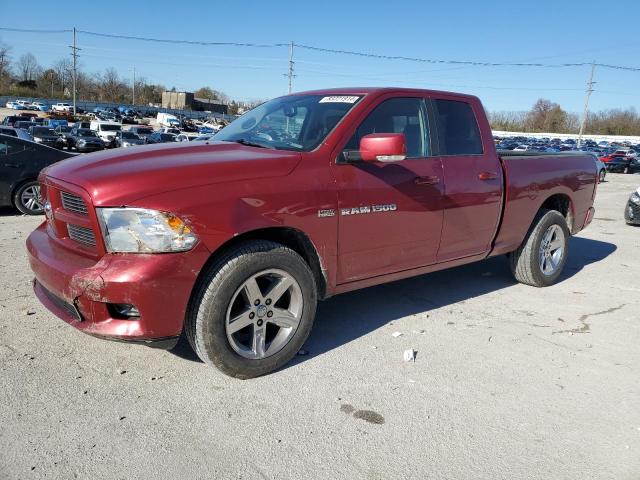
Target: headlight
(37,139)
(139,230)
(635,198)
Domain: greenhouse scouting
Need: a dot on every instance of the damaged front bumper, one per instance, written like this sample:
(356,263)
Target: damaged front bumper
(83,292)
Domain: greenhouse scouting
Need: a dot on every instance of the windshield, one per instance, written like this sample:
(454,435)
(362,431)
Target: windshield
(85,132)
(295,122)
(109,128)
(42,131)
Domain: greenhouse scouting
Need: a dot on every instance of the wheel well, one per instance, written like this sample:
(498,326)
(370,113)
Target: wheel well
(289,237)
(560,203)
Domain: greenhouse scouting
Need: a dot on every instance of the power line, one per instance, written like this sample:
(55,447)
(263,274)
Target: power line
(462,62)
(25,30)
(328,50)
(175,41)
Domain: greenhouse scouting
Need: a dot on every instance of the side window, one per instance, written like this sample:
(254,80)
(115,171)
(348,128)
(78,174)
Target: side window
(458,132)
(397,115)
(11,147)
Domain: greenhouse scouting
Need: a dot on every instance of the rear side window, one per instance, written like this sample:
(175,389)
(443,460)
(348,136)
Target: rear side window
(458,132)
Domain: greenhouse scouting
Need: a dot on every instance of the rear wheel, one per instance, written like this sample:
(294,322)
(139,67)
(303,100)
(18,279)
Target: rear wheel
(253,309)
(603,174)
(27,199)
(540,259)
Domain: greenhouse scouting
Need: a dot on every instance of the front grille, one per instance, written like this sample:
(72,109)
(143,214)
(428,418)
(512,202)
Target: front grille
(62,304)
(81,234)
(73,203)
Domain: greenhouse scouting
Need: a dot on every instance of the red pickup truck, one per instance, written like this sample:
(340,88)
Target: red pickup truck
(232,242)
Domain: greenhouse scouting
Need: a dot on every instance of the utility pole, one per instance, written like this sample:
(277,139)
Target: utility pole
(133,94)
(291,62)
(586,103)
(74,54)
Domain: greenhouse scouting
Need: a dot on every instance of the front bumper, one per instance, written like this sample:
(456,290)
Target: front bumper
(79,290)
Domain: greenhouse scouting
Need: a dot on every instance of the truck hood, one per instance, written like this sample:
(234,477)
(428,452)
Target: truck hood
(121,176)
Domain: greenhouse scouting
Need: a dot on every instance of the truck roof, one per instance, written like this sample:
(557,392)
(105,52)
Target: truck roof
(380,90)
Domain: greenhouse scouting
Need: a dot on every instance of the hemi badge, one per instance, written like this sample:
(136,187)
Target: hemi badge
(326,213)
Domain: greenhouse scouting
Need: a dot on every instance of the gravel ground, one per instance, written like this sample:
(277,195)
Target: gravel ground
(509,381)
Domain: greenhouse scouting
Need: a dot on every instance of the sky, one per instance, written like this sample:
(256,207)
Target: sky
(562,31)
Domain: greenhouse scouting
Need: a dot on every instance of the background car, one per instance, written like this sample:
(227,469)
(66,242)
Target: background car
(128,139)
(159,137)
(602,169)
(62,107)
(40,106)
(63,131)
(623,165)
(14,106)
(20,163)
(16,132)
(632,210)
(84,140)
(142,131)
(45,136)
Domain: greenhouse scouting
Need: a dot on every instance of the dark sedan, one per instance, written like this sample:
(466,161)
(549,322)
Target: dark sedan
(623,165)
(46,136)
(158,137)
(20,164)
(632,210)
(84,140)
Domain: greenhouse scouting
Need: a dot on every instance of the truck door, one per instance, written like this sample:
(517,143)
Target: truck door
(389,214)
(472,178)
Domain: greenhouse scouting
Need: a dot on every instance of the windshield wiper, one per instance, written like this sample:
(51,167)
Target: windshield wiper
(248,143)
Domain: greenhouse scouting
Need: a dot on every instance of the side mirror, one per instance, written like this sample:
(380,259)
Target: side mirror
(383,147)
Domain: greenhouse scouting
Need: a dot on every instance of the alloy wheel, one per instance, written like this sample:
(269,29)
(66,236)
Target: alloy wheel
(264,314)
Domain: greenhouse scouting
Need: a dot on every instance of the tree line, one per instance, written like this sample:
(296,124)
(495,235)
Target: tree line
(25,77)
(547,116)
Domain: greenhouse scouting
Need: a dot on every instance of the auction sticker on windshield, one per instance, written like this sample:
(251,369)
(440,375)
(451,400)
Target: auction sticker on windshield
(339,99)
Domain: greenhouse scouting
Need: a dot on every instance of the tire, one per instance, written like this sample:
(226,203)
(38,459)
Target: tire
(602,175)
(26,198)
(226,291)
(529,263)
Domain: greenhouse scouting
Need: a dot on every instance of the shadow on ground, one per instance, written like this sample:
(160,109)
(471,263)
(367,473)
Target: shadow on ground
(346,317)
(9,212)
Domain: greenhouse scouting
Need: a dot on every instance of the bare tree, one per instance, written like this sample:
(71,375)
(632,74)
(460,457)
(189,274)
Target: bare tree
(4,62)
(64,71)
(28,67)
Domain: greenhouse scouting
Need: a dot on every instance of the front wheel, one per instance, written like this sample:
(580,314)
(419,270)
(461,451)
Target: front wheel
(27,199)
(603,174)
(252,310)
(540,259)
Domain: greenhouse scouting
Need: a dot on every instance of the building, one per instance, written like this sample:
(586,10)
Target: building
(187,101)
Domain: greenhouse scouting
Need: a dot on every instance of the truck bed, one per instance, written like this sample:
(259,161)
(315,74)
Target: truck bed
(531,178)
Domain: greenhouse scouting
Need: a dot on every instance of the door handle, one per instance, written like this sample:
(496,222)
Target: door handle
(11,165)
(487,176)
(427,180)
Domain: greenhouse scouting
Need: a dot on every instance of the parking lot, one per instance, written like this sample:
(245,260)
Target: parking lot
(509,381)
